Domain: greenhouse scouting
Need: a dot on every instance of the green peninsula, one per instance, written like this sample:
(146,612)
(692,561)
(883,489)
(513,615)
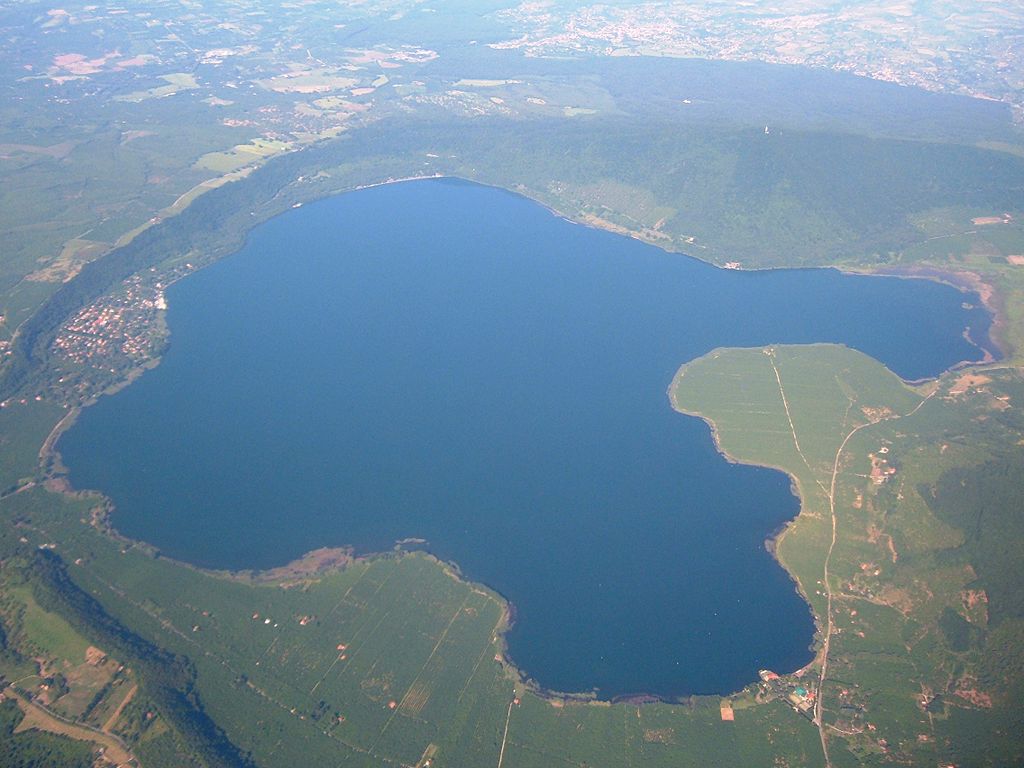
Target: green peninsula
(916,632)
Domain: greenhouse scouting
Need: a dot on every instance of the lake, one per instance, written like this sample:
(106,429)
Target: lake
(450,362)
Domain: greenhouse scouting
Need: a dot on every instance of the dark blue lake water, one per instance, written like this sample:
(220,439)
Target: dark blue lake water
(452,362)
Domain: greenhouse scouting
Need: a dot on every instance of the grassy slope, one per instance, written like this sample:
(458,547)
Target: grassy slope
(899,574)
(23,428)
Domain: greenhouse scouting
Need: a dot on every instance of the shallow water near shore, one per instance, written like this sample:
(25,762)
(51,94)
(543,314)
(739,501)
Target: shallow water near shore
(446,361)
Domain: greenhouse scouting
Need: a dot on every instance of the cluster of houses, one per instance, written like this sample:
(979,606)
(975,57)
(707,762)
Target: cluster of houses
(119,324)
(797,695)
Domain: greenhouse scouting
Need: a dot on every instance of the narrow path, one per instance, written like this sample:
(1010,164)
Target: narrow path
(792,428)
(43,719)
(20,489)
(480,660)
(504,739)
(818,708)
(112,720)
(830,495)
(412,685)
(818,705)
(359,631)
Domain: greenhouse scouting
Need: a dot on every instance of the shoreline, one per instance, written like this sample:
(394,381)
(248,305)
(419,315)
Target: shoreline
(320,562)
(307,567)
(965,280)
(773,541)
(323,560)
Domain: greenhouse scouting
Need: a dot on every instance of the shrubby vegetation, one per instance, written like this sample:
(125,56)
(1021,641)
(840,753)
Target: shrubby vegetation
(985,502)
